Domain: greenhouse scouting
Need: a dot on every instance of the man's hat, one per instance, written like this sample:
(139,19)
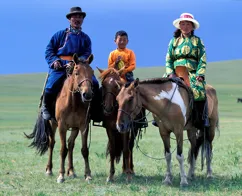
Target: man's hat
(75,10)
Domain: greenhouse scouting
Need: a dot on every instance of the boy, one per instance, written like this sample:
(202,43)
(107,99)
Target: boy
(122,59)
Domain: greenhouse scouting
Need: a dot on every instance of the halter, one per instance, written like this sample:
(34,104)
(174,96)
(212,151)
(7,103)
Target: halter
(113,107)
(80,83)
(130,114)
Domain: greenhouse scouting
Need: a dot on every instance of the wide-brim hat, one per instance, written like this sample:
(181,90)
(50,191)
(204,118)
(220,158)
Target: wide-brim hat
(75,10)
(186,17)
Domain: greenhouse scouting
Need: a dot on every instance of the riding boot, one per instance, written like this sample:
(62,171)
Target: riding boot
(141,118)
(154,123)
(205,114)
(47,109)
(96,106)
(200,114)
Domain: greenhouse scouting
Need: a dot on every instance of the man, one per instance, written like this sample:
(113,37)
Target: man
(58,55)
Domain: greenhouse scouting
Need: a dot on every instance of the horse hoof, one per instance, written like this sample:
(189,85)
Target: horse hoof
(129,179)
(88,179)
(60,180)
(72,176)
(109,179)
(49,173)
(191,177)
(184,184)
(209,176)
(167,182)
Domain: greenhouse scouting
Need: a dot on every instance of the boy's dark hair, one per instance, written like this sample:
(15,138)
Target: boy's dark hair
(121,33)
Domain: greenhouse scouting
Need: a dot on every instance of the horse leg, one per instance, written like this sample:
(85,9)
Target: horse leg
(71,144)
(126,156)
(85,154)
(166,141)
(209,155)
(191,134)
(179,140)
(111,149)
(63,153)
(51,147)
(131,146)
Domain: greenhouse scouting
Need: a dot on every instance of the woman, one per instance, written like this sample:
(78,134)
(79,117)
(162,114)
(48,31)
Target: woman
(186,58)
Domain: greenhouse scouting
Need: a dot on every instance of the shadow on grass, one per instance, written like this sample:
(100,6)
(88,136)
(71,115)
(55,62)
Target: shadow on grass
(199,184)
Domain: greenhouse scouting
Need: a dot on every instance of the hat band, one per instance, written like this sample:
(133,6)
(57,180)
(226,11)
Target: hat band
(186,16)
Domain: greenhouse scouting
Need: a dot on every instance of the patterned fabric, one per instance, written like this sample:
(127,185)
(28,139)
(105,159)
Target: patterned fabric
(188,52)
(76,31)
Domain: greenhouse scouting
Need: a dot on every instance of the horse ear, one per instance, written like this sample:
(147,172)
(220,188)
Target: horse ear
(136,82)
(90,59)
(75,58)
(100,70)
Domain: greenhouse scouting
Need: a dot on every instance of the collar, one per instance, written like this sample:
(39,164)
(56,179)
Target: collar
(76,31)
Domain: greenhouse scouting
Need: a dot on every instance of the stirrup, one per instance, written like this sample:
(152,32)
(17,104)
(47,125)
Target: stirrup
(97,124)
(154,123)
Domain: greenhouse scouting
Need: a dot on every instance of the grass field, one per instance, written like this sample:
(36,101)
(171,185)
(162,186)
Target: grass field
(22,172)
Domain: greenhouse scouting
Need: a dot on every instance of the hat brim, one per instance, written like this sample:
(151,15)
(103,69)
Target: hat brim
(72,13)
(176,22)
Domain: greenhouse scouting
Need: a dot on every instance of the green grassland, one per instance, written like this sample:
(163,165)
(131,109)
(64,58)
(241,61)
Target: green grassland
(22,172)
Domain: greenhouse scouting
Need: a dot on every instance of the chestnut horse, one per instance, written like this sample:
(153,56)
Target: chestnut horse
(170,101)
(118,142)
(71,111)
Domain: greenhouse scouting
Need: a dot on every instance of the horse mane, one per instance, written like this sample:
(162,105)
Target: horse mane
(155,80)
(109,71)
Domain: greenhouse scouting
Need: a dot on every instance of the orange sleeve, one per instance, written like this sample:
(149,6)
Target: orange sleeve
(111,62)
(132,63)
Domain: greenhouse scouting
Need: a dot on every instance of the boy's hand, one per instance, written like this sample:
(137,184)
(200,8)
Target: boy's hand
(118,59)
(121,70)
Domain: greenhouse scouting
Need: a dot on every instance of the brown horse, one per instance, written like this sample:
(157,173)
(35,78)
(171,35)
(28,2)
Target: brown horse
(118,142)
(169,101)
(71,111)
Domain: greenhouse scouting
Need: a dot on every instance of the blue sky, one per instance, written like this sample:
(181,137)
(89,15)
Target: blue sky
(27,26)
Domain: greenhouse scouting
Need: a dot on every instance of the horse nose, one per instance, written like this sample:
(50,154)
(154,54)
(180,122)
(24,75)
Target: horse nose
(122,127)
(87,96)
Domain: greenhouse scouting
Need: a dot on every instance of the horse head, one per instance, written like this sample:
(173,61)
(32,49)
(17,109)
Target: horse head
(111,85)
(130,105)
(82,77)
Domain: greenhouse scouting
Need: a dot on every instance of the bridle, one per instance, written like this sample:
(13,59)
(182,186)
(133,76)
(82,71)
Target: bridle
(78,90)
(133,111)
(114,106)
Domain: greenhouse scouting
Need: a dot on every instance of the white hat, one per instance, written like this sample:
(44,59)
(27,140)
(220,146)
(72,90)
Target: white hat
(186,17)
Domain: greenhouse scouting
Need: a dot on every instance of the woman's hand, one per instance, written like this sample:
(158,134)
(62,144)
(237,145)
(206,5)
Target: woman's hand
(200,78)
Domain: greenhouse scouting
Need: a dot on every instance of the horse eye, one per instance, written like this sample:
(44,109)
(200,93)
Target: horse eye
(130,98)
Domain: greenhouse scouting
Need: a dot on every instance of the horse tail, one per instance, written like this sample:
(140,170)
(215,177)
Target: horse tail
(40,135)
(206,148)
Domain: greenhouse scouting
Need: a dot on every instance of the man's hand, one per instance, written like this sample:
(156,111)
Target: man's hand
(199,78)
(57,65)
(69,65)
